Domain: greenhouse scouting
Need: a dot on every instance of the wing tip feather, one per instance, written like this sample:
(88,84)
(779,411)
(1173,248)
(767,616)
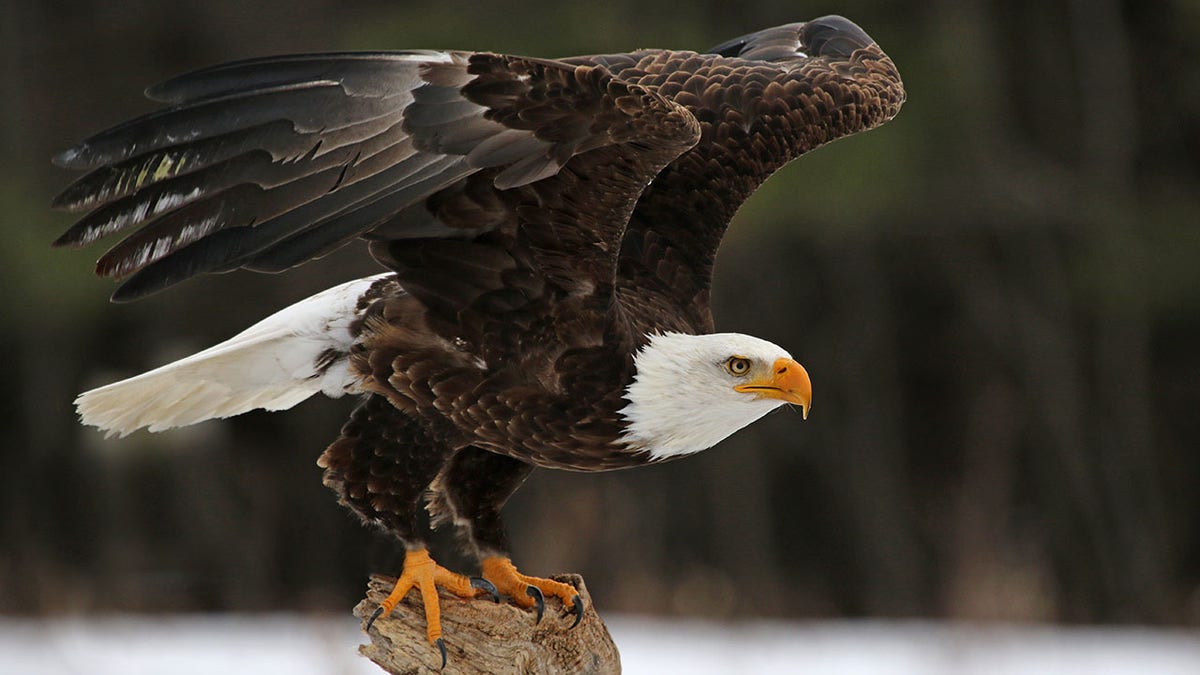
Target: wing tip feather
(74,157)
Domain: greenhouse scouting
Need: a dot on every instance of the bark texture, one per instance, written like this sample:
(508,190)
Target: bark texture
(486,637)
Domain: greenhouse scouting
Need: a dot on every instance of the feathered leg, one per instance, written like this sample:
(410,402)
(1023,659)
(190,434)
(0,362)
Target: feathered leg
(471,490)
(381,466)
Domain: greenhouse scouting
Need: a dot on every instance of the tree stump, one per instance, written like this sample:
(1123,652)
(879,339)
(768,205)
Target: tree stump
(486,637)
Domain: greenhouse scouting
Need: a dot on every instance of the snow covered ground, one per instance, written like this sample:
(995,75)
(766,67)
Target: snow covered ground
(295,645)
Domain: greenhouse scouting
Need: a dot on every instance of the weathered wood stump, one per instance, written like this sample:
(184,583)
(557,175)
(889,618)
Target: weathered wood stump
(487,637)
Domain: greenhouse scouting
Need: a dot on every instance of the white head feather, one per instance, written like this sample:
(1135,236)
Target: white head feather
(683,398)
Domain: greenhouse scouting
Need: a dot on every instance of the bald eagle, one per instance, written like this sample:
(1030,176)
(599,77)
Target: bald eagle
(548,228)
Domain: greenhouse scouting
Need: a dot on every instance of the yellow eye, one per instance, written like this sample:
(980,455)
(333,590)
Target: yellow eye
(737,365)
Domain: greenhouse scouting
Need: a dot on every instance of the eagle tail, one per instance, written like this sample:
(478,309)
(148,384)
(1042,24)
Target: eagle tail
(274,365)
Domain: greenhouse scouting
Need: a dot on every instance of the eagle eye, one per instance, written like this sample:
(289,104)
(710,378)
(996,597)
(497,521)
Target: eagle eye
(737,365)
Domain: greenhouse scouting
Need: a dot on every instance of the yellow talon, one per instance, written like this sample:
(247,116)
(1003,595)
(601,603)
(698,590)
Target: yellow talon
(421,571)
(501,572)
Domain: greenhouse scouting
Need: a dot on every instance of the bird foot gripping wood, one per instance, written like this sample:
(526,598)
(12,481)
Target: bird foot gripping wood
(484,637)
(530,592)
(421,572)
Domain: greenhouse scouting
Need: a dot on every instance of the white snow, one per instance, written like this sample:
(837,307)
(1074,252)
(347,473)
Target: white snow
(899,648)
(182,645)
(303,645)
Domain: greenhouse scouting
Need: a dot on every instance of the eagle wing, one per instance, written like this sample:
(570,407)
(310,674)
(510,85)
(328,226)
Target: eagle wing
(266,163)
(762,100)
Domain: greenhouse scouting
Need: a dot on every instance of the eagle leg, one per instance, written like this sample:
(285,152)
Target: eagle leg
(380,467)
(470,491)
(422,573)
(527,591)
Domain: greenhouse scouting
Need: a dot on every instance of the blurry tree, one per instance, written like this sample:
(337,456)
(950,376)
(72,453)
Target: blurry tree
(997,295)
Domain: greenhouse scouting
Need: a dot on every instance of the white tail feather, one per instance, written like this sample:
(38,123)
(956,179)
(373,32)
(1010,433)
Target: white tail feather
(275,364)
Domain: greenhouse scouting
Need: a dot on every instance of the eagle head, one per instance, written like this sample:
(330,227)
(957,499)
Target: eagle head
(691,391)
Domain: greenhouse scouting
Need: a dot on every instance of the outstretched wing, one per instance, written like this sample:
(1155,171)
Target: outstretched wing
(762,100)
(565,229)
(264,164)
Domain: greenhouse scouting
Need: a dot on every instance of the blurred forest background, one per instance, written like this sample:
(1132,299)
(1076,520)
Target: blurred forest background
(997,296)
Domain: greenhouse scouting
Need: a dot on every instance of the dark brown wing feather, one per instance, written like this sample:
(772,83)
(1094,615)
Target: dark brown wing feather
(536,279)
(267,163)
(762,100)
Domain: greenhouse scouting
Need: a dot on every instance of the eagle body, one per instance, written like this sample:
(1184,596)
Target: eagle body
(548,230)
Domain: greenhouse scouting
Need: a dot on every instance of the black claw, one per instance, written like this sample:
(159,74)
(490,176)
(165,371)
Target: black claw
(536,593)
(578,602)
(442,646)
(487,586)
(374,615)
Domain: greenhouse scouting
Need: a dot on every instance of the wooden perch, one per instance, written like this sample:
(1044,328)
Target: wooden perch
(487,637)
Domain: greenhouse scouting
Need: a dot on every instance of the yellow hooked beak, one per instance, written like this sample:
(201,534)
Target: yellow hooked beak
(788,381)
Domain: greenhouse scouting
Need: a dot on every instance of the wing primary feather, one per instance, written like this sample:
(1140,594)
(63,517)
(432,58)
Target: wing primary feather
(355,218)
(243,205)
(109,183)
(357,68)
(155,200)
(179,211)
(336,231)
(184,226)
(228,248)
(112,182)
(310,107)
